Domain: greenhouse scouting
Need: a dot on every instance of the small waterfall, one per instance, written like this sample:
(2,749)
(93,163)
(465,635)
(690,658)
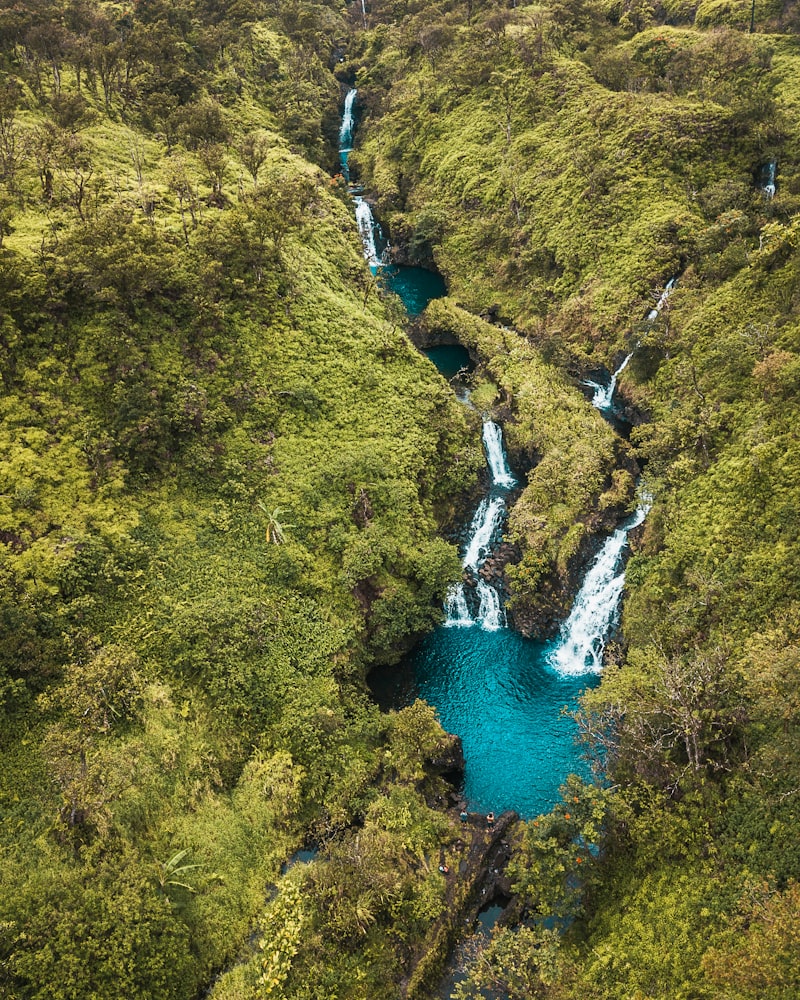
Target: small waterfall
(594,613)
(485,523)
(603,395)
(455,606)
(662,301)
(769,185)
(495,455)
(367,228)
(346,128)
(490,612)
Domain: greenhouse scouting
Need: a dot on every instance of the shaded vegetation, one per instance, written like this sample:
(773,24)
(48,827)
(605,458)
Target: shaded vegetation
(225,470)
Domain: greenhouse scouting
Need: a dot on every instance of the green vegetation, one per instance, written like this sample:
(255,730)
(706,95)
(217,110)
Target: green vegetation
(560,162)
(224,473)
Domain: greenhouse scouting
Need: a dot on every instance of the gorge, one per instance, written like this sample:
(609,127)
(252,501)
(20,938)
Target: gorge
(270,535)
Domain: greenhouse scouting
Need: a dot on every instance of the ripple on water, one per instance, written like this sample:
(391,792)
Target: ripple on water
(496,691)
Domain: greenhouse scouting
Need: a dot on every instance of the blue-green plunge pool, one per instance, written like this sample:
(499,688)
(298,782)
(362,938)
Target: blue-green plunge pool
(496,691)
(415,286)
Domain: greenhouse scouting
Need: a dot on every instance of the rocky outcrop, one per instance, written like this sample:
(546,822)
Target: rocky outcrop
(475,877)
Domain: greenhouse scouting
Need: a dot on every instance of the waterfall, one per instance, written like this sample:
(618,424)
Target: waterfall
(769,187)
(662,301)
(455,606)
(485,523)
(583,635)
(490,613)
(367,227)
(495,456)
(346,128)
(603,395)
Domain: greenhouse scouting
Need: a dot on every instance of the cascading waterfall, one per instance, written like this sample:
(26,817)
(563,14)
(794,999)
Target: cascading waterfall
(486,522)
(455,606)
(496,456)
(769,184)
(662,301)
(346,128)
(603,398)
(584,634)
(490,611)
(604,394)
(368,229)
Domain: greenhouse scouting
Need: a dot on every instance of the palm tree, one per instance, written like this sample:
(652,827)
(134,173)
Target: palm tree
(170,872)
(275,531)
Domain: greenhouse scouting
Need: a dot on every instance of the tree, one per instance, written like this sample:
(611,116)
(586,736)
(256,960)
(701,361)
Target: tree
(254,149)
(275,531)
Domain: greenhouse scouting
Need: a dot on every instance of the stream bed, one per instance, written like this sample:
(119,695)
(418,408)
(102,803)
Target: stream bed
(508,698)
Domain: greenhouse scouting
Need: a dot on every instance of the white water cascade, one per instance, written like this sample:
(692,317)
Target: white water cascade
(769,187)
(604,394)
(496,456)
(346,128)
(490,612)
(366,227)
(486,522)
(455,606)
(662,301)
(584,633)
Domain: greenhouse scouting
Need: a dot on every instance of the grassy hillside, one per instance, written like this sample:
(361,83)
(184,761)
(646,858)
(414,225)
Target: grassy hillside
(560,163)
(224,468)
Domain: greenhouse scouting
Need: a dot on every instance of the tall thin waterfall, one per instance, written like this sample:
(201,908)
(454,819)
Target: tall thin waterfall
(603,397)
(486,522)
(769,185)
(594,613)
(366,227)
(662,301)
(346,128)
(496,456)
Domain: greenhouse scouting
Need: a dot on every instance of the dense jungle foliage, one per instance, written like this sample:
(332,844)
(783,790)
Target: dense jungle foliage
(560,163)
(226,474)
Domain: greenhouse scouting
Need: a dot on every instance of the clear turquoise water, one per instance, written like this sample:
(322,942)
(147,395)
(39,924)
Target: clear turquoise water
(495,691)
(450,359)
(415,286)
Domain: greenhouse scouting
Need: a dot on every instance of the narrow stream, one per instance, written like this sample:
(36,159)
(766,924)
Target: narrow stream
(507,697)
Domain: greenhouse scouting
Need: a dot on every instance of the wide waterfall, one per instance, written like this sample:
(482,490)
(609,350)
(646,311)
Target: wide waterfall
(594,613)
(496,456)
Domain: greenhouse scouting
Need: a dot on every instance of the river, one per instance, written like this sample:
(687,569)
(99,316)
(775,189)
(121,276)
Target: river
(509,698)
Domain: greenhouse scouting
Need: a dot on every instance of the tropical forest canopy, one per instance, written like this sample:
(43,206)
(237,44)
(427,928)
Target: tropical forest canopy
(228,479)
